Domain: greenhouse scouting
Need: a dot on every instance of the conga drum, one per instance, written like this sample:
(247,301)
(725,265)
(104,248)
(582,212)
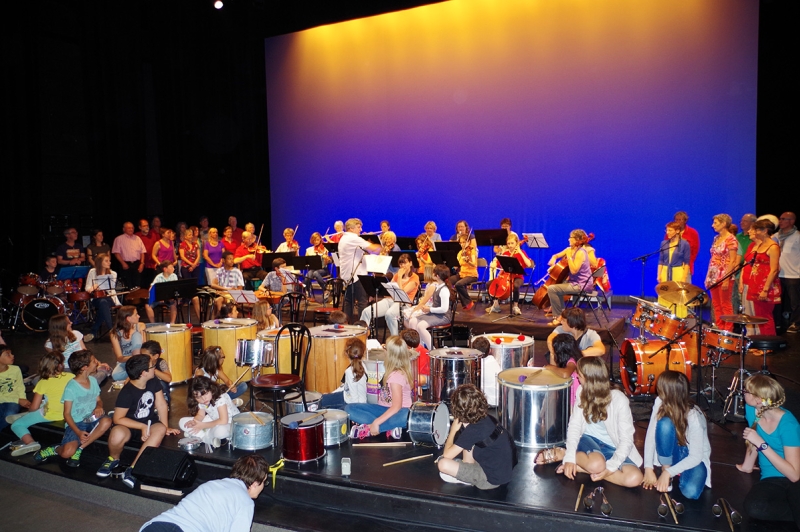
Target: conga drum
(450,368)
(327,360)
(176,349)
(225,333)
(534,406)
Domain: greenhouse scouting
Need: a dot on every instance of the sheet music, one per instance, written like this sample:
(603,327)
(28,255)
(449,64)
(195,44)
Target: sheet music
(243,296)
(536,240)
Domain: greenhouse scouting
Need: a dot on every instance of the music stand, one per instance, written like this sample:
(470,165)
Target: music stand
(448,258)
(72,272)
(448,246)
(396,259)
(243,296)
(407,243)
(307,262)
(511,266)
(373,238)
(372,285)
(538,242)
(181,289)
(491,237)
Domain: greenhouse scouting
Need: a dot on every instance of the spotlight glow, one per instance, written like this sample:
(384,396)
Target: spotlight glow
(218,4)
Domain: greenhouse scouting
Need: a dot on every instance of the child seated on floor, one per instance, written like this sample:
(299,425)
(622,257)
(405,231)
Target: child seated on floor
(12,388)
(411,338)
(152,349)
(211,412)
(46,404)
(211,367)
(486,449)
(140,407)
(566,355)
(489,369)
(66,340)
(81,400)
(394,401)
(354,381)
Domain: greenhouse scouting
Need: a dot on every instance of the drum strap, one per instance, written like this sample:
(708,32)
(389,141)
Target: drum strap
(498,430)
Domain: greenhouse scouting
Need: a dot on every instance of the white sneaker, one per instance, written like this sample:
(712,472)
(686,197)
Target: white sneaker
(452,480)
(25,449)
(515,310)
(238,402)
(13,417)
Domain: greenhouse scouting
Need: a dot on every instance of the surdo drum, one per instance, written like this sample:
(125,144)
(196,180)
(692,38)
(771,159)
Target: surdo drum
(450,368)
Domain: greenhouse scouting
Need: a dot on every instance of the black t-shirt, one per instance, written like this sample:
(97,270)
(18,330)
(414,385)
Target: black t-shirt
(495,459)
(141,404)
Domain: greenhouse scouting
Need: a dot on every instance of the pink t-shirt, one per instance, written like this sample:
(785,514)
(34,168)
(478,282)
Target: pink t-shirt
(385,397)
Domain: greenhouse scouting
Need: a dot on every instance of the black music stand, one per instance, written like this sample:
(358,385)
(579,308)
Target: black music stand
(177,290)
(373,285)
(512,266)
(491,237)
(373,238)
(538,242)
(448,246)
(396,259)
(407,243)
(448,258)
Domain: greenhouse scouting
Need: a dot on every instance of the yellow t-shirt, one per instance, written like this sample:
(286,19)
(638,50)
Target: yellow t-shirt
(53,389)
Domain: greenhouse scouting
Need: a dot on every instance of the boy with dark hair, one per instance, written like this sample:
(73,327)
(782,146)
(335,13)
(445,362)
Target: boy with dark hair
(486,449)
(163,375)
(81,400)
(140,406)
(338,317)
(218,505)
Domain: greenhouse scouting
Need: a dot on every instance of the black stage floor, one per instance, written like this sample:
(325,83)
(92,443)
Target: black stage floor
(315,496)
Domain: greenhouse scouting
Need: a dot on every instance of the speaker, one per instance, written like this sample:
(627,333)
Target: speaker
(166,468)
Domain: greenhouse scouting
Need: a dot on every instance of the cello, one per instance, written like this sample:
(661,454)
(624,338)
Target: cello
(557,274)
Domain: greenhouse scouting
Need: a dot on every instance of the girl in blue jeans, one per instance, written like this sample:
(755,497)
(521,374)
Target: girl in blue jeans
(677,439)
(394,401)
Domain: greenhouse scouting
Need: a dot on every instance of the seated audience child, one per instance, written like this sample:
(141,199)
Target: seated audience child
(677,439)
(211,367)
(411,338)
(566,354)
(141,407)
(394,400)
(81,400)
(152,349)
(354,380)
(12,388)
(228,310)
(600,432)
(126,339)
(211,412)
(64,339)
(262,313)
(46,404)
(166,273)
(224,505)
(486,450)
(573,321)
(774,438)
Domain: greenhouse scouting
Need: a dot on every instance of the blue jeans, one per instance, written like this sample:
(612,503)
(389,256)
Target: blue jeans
(239,390)
(7,409)
(20,426)
(119,373)
(365,413)
(333,400)
(590,444)
(461,285)
(692,481)
(102,307)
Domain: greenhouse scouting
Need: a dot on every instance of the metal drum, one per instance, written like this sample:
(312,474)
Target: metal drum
(256,352)
(374,368)
(508,351)
(284,360)
(176,348)
(429,423)
(337,427)
(534,406)
(294,403)
(327,360)
(303,437)
(225,333)
(247,433)
(451,367)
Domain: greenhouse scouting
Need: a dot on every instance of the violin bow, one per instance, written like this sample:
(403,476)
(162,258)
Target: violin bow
(258,240)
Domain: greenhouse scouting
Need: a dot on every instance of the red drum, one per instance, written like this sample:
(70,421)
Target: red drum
(639,370)
(715,342)
(666,325)
(19,299)
(73,286)
(37,312)
(54,288)
(303,437)
(28,284)
(77,297)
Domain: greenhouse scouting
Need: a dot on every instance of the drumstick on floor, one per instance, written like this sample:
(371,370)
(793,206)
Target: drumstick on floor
(387,444)
(578,501)
(408,460)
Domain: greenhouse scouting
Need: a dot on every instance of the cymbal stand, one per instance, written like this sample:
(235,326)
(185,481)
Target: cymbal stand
(734,403)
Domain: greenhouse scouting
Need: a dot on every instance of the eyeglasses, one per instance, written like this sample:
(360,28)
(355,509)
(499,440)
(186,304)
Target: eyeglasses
(605,507)
(723,506)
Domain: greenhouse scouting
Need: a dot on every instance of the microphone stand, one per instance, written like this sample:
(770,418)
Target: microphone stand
(643,260)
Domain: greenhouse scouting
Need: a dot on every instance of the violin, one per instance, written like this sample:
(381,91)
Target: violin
(557,274)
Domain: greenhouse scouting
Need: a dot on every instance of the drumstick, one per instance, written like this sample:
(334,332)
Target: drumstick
(387,444)
(727,510)
(523,378)
(256,418)
(312,416)
(578,500)
(672,508)
(408,460)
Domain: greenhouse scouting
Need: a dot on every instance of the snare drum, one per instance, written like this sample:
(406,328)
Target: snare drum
(534,406)
(337,427)
(28,284)
(37,312)
(665,324)
(429,423)
(305,442)
(640,368)
(716,342)
(256,352)
(225,333)
(294,402)
(452,367)
(176,349)
(54,288)
(327,360)
(247,433)
(509,351)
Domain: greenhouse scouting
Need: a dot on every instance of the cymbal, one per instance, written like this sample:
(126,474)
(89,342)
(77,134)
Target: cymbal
(677,293)
(743,319)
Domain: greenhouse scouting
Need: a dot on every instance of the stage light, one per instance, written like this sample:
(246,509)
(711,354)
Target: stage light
(218,4)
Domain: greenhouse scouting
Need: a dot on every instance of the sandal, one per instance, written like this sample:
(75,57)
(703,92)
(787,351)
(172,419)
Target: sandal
(549,456)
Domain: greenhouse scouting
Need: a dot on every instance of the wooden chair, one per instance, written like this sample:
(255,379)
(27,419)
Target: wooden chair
(297,305)
(273,387)
(336,289)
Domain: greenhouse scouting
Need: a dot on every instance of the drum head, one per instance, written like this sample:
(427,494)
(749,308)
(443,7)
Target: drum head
(246,418)
(531,377)
(304,419)
(37,312)
(335,415)
(229,323)
(454,353)
(441,424)
(508,340)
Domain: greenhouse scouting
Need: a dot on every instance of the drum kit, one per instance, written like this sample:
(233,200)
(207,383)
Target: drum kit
(36,301)
(682,343)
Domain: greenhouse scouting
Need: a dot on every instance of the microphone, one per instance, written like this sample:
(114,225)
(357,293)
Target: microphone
(752,261)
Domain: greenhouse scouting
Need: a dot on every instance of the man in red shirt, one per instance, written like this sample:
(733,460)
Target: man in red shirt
(149,238)
(248,258)
(238,233)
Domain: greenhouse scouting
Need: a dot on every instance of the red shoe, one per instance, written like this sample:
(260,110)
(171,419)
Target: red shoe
(470,306)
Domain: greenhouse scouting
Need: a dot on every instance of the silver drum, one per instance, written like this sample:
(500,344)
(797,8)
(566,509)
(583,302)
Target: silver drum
(534,406)
(509,351)
(254,352)
(336,427)
(249,434)
(429,423)
(294,402)
(450,368)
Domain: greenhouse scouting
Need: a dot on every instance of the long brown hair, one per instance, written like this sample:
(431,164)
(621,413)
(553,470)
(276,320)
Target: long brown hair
(60,336)
(355,350)
(261,313)
(596,390)
(673,390)
(98,264)
(211,359)
(122,324)
(200,386)
(51,365)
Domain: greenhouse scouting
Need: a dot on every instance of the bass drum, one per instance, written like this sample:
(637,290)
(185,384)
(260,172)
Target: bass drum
(641,364)
(37,312)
